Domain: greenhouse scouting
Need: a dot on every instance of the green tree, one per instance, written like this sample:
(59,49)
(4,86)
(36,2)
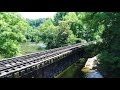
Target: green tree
(35,22)
(59,17)
(12,29)
(65,35)
(110,54)
(48,33)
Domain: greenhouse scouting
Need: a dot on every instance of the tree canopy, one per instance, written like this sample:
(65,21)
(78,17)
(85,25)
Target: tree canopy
(12,29)
(64,29)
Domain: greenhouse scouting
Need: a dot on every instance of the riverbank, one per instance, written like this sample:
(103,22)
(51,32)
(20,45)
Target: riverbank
(90,69)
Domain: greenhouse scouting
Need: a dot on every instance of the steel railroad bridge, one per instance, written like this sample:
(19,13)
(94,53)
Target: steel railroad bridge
(45,64)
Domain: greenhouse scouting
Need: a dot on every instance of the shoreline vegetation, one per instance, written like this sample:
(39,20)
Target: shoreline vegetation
(65,28)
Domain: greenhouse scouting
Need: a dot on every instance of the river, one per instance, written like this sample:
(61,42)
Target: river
(41,44)
(93,74)
(90,68)
(79,70)
(32,47)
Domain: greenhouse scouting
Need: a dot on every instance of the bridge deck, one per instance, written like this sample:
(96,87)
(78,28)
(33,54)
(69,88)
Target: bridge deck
(35,60)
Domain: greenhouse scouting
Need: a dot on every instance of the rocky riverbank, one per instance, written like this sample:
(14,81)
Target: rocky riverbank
(90,68)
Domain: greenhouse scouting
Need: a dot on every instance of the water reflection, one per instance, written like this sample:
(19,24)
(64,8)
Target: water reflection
(93,74)
(37,44)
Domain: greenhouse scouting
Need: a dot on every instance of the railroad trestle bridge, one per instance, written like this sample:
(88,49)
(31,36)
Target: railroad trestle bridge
(45,64)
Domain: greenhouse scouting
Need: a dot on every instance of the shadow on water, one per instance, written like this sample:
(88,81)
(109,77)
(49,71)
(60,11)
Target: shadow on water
(77,70)
(73,71)
(91,73)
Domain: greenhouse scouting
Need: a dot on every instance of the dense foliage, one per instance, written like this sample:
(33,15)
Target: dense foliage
(110,54)
(35,22)
(12,29)
(64,29)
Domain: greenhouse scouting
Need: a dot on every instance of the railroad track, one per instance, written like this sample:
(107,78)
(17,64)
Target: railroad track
(35,60)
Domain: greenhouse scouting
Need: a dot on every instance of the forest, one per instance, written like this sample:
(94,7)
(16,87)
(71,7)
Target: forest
(66,28)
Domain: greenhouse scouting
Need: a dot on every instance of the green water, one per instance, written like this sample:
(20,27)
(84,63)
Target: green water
(70,72)
(31,47)
(73,71)
(76,71)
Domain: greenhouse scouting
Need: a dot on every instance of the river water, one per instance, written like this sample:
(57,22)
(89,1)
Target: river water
(93,74)
(37,44)
(90,69)
(76,71)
